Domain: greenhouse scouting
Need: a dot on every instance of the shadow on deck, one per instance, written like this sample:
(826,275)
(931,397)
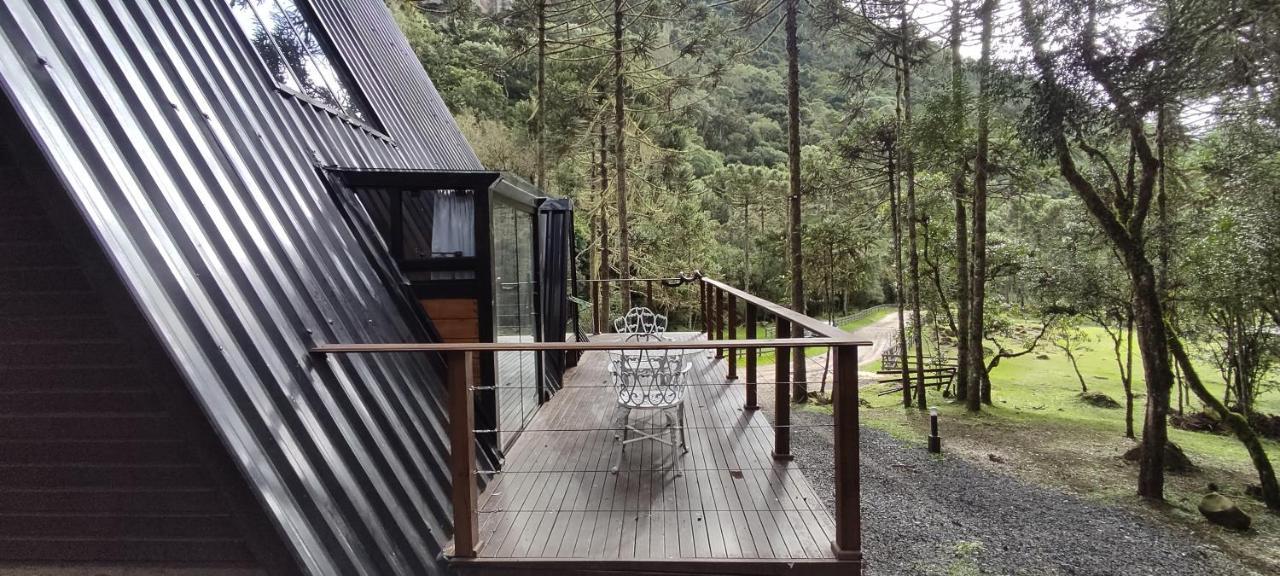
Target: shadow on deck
(734,509)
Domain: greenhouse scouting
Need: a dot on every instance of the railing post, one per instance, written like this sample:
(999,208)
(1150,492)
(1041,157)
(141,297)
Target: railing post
(752,404)
(719,316)
(733,335)
(782,394)
(648,293)
(595,307)
(844,400)
(462,454)
(702,308)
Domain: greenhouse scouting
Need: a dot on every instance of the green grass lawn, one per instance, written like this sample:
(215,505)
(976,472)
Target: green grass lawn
(865,321)
(1042,387)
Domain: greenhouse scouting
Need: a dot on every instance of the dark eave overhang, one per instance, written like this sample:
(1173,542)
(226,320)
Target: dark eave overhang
(420,179)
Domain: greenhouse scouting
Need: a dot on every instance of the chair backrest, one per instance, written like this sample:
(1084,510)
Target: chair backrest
(640,321)
(648,378)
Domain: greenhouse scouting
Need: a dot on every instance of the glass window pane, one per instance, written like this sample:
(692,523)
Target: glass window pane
(514,315)
(247,15)
(307,55)
(298,57)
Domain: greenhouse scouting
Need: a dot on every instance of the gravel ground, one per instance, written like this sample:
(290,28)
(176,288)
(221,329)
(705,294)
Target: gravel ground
(920,513)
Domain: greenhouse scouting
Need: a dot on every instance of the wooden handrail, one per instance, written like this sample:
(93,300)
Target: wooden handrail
(554,346)
(779,311)
(658,279)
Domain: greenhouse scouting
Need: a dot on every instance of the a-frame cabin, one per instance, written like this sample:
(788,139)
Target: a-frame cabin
(193,194)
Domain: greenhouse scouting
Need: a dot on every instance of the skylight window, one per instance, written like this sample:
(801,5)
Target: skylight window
(298,56)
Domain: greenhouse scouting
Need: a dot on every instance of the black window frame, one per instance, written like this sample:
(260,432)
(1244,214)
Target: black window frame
(371,124)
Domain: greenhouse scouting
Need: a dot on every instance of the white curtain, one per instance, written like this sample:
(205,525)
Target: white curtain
(453,223)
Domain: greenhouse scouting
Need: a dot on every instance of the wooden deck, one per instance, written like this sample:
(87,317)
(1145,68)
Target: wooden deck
(557,500)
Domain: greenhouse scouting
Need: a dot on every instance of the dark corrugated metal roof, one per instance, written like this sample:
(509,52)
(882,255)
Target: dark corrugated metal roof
(200,180)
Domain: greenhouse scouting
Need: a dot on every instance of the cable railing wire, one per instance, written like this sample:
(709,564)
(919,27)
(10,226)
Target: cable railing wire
(619,429)
(633,509)
(788,468)
(597,386)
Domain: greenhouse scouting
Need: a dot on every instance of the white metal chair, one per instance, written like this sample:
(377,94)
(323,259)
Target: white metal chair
(641,322)
(649,380)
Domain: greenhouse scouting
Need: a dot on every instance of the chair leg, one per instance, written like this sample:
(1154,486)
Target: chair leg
(626,424)
(618,414)
(672,431)
(684,446)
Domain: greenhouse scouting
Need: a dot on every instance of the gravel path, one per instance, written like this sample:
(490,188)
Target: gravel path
(919,511)
(881,335)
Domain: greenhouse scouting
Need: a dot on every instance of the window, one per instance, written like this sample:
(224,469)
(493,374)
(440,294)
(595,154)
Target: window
(298,56)
(515,315)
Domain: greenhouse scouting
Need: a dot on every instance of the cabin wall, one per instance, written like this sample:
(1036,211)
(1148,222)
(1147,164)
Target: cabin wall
(457,320)
(200,182)
(121,570)
(94,465)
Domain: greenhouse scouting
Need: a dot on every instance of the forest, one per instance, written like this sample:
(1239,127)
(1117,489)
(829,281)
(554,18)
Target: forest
(1087,181)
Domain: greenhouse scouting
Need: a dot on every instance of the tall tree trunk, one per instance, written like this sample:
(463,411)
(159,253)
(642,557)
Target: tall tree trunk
(1162,204)
(620,155)
(605,272)
(541,180)
(895,207)
(962,237)
(1236,422)
(909,171)
(746,244)
(980,386)
(799,389)
(1153,343)
(1126,373)
(593,259)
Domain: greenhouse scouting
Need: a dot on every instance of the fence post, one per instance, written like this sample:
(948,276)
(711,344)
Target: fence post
(848,512)
(595,307)
(782,394)
(752,404)
(702,307)
(719,315)
(733,335)
(648,293)
(462,454)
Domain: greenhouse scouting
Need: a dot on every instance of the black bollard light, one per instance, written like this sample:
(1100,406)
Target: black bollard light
(935,441)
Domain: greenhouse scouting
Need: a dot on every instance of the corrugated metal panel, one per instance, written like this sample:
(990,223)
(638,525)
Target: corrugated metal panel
(200,180)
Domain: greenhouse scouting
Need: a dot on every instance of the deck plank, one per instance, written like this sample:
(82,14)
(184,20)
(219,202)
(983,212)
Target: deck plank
(556,497)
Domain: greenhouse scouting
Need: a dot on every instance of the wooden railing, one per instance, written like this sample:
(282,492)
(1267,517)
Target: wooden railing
(720,307)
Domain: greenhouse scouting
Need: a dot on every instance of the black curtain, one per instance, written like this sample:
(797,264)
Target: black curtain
(555,226)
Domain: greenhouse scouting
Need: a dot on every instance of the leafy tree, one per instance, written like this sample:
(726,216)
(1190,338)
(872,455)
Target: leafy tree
(1099,90)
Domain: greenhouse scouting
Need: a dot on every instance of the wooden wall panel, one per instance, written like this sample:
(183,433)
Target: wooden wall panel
(92,466)
(457,319)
